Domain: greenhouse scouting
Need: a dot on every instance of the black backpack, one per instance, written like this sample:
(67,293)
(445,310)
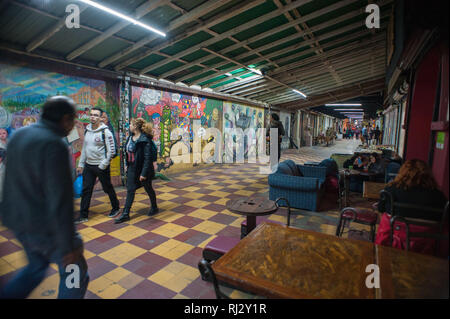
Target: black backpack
(116,150)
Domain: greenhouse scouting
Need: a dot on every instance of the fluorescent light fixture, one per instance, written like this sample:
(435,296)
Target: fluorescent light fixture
(298,92)
(120,15)
(348,110)
(228,74)
(255,71)
(357,104)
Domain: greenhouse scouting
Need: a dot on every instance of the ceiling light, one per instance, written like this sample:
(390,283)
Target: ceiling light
(120,15)
(255,71)
(228,74)
(296,91)
(344,104)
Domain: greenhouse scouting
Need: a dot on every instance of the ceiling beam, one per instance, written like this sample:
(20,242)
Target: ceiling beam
(50,31)
(278,53)
(193,14)
(263,35)
(228,33)
(139,12)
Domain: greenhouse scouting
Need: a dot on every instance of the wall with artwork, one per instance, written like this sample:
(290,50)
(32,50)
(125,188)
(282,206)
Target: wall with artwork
(24,90)
(285,119)
(171,110)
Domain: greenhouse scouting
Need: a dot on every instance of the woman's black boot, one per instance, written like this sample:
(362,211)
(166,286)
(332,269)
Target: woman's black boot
(123,217)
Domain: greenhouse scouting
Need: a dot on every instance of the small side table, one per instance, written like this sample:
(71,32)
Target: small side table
(251,207)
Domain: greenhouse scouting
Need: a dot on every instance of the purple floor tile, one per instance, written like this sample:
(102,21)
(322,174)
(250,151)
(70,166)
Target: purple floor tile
(148,290)
(188,221)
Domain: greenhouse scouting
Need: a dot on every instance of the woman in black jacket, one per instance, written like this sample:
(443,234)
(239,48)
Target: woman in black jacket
(141,156)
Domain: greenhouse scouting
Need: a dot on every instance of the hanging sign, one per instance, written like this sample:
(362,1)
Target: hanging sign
(440,138)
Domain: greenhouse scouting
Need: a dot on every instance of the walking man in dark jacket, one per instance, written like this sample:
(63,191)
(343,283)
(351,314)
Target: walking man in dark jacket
(38,203)
(275,123)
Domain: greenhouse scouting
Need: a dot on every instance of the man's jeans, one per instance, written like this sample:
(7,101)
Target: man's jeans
(32,275)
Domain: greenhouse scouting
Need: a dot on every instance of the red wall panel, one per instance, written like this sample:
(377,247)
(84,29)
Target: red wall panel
(422,105)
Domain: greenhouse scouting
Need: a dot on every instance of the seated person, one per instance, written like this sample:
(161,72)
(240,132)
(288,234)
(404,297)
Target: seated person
(376,166)
(413,185)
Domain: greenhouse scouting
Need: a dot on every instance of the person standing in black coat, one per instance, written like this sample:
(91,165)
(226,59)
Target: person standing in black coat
(38,203)
(141,156)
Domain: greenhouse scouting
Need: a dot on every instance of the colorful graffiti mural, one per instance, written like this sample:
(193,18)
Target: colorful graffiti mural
(243,117)
(168,111)
(24,90)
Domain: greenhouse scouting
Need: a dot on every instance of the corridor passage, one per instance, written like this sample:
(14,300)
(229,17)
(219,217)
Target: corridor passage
(156,257)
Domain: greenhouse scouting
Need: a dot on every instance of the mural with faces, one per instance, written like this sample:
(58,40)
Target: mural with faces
(171,110)
(24,90)
(244,117)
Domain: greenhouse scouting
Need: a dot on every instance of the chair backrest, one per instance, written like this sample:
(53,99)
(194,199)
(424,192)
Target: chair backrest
(439,225)
(205,268)
(391,171)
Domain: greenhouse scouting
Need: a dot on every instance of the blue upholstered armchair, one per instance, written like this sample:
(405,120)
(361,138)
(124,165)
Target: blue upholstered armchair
(301,185)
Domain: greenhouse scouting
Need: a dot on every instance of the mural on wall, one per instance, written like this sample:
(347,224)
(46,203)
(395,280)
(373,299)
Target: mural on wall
(244,117)
(24,90)
(168,111)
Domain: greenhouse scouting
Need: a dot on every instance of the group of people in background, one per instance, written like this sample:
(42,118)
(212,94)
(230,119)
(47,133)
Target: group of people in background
(367,134)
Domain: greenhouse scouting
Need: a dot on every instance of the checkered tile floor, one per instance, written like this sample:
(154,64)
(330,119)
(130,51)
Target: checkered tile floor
(156,257)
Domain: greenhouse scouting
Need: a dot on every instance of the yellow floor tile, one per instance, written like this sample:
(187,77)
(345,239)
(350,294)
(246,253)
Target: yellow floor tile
(202,213)
(244,192)
(168,216)
(278,218)
(99,285)
(5,268)
(87,254)
(172,249)
(112,292)
(90,233)
(47,289)
(180,296)
(161,277)
(136,218)
(17,259)
(166,205)
(236,186)
(220,194)
(237,222)
(117,274)
(209,227)
(197,203)
(3,239)
(167,196)
(177,284)
(208,182)
(128,233)
(193,195)
(214,187)
(222,201)
(122,254)
(170,230)
(166,189)
(175,267)
(191,189)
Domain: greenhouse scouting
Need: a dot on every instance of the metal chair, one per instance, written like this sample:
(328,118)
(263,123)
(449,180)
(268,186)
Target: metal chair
(359,216)
(207,271)
(439,236)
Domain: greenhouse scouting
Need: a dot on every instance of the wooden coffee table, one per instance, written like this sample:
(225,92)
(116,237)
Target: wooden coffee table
(251,207)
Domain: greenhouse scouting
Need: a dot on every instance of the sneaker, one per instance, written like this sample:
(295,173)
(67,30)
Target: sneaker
(153,211)
(80,220)
(114,213)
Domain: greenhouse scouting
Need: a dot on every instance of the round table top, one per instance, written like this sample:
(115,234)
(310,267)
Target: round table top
(253,205)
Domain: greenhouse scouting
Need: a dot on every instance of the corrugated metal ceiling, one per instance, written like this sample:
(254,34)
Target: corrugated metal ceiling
(313,46)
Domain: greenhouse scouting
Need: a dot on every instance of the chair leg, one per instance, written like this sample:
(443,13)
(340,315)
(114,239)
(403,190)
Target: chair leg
(338,229)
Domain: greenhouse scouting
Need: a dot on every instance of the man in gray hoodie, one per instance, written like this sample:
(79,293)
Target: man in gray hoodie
(98,149)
